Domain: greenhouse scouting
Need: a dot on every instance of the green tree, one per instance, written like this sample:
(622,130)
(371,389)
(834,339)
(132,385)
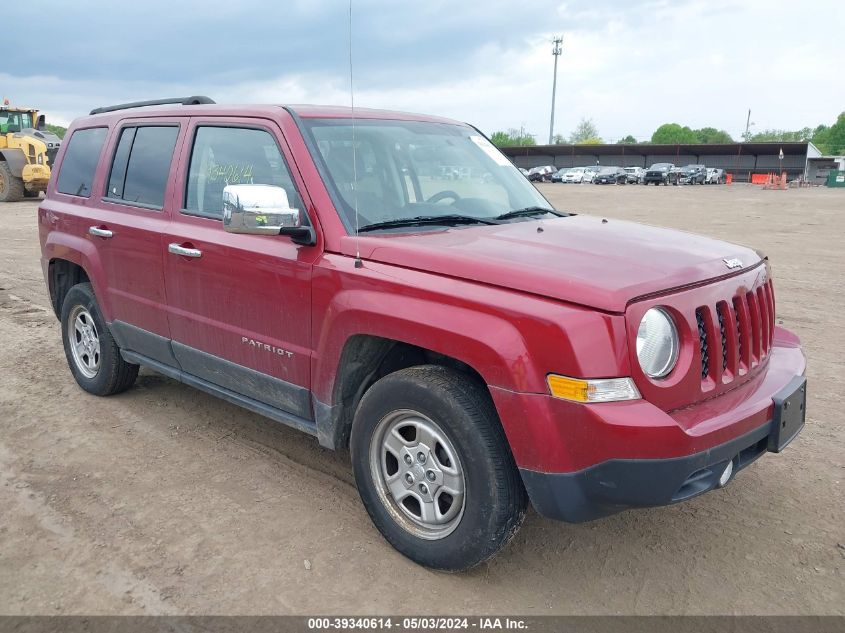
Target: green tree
(832,139)
(712,135)
(784,136)
(630,140)
(674,133)
(512,137)
(58,130)
(585,132)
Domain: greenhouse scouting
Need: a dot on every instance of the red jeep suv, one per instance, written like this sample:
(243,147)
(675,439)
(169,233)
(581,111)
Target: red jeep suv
(391,284)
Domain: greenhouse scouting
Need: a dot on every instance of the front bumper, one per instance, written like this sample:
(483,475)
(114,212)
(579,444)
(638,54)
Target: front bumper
(582,462)
(619,484)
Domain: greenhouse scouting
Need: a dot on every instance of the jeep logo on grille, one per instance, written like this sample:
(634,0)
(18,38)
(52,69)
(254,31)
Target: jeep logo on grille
(732,263)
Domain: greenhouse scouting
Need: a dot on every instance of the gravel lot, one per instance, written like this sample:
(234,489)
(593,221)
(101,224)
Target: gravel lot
(166,500)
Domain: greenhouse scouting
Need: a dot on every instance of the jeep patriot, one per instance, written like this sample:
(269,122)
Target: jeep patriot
(390,283)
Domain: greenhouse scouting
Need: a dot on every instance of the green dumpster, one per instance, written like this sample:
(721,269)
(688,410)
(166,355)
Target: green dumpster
(836,178)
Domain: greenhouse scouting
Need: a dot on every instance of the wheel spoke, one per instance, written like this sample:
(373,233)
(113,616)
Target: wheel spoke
(396,487)
(453,483)
(394,442)
(429,513)
(426,435)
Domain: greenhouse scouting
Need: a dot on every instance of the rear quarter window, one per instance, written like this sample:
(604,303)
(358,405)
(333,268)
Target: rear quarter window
(76,174)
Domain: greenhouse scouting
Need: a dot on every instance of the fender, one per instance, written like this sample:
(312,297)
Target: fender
(512,340)
(16,159)
(391,316)
(83,253)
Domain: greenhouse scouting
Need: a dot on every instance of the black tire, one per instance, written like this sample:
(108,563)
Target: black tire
(113,374)
(11,188)
(494,501)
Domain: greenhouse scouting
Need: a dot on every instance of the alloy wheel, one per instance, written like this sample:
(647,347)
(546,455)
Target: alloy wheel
(84,341)
(418,474)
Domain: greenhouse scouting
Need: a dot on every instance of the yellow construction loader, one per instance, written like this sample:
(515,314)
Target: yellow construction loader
(27,152)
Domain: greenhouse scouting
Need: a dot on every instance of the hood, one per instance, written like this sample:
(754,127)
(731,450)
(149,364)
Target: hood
(41,135)
(579,259)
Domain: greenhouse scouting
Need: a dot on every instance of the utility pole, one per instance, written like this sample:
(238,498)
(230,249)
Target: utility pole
(748,126)
(556,51)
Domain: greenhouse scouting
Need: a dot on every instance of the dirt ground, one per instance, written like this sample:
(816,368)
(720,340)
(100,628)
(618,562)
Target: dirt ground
(166,500)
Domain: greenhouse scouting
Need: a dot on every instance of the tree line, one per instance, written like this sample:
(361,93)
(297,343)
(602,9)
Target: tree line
(830,139)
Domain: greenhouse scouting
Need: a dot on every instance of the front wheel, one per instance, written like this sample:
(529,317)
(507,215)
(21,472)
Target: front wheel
(11,187)
(434,469)
(92,354)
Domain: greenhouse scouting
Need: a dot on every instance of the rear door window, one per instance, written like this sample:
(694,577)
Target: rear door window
(76,174)
(141,165)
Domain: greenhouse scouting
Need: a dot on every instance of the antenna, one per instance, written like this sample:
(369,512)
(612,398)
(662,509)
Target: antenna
(358,262)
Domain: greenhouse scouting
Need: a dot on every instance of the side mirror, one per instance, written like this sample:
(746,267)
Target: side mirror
(263,210)
(41,125)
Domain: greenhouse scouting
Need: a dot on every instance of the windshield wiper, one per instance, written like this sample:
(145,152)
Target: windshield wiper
(528,212)
(425,220)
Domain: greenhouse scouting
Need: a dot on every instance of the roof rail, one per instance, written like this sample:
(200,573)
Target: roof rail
(196,100)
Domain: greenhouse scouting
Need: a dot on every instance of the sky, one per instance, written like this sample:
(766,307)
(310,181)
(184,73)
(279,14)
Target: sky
(627,65)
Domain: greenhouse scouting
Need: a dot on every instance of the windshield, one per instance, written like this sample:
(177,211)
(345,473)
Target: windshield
(608,170)
(660,166)
(14,121)
(408,169)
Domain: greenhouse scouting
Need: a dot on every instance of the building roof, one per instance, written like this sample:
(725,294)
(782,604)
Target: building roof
(804,148)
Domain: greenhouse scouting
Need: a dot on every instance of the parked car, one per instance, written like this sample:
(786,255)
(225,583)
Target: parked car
(541,174)
(715,176)
(611,176)
(692,175)
(635,175)
(469,363)
(590,173)
(575,174)
(661,174)
(523,171)
(558,175)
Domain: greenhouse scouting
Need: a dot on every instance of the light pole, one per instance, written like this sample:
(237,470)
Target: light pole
(748,125)
(556,51)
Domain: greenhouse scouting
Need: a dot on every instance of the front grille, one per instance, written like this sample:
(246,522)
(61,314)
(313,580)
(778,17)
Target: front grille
(51,157)
(735,336)
(702,340)
(723,335)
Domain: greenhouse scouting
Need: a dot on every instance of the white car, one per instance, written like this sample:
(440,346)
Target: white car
(715,176)
(580,174)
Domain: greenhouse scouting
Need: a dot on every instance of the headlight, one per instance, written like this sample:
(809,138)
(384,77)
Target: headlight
(657,343)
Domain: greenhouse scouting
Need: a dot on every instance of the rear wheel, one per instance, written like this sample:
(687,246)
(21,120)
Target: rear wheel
(11,188)
(92,353)
(433,468)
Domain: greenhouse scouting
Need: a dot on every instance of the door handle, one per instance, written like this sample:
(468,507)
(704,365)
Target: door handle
(177,249)
(98,232)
